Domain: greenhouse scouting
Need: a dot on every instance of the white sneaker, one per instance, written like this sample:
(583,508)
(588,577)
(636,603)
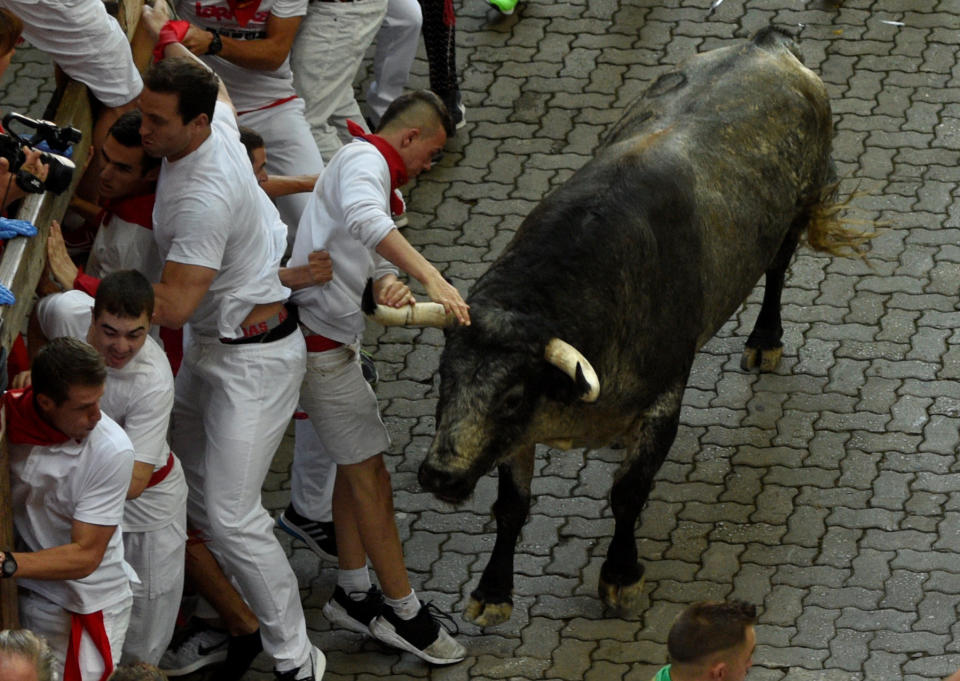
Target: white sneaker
(311,670)
(200,647)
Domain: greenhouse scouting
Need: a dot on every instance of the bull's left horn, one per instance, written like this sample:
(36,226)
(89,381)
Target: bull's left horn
(421,314)
(571,362)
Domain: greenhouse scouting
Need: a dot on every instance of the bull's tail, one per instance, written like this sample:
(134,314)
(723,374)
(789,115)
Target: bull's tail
(830,231)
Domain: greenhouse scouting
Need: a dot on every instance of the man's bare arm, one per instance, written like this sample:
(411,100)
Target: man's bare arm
(75,560)
(282,185)
(265,54)
(179,292)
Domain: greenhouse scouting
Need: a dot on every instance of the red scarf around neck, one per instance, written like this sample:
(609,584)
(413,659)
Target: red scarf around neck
(135,209)
(398,170)
(25,426)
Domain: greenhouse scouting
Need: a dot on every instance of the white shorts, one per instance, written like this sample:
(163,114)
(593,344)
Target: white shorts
(85,41)
(342,406)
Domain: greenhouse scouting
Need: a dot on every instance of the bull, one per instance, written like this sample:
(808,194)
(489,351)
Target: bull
(585,329)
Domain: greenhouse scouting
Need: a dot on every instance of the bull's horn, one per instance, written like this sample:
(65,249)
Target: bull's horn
(421,314)
(571,362)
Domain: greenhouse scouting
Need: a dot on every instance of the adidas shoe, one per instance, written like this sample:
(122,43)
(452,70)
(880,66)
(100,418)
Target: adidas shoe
(356,616)
(311,670)
(423,636)
(319,536)
(198,646)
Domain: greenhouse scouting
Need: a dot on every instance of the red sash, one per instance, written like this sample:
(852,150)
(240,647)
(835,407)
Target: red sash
(93,623)
(161,474)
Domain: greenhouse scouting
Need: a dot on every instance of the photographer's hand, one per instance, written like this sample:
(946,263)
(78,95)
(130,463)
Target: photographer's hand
(58,260)
(32,164)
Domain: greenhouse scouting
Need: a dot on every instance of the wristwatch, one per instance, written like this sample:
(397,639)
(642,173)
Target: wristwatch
(215,43)
(9,565)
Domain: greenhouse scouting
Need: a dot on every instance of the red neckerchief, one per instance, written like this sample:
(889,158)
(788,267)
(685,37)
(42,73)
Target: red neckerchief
(244,10)
(136,209)
(398,170)
(24,424)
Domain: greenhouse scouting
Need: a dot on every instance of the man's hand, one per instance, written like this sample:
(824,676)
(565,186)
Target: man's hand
(21,380)
(197,40)
(58,260)
(320,267)
(390,291)
(443,292)
(153,18)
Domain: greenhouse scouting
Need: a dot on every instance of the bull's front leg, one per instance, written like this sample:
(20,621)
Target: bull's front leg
(492,601)
(621,576)
(763,348)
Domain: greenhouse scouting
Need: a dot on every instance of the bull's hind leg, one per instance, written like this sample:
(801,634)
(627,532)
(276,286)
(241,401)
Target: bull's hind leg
(763,348)
(492,601)
(621,576)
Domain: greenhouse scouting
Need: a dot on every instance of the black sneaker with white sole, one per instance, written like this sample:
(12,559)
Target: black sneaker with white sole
(319,536)
(423,636)
(348,613)
(311,670)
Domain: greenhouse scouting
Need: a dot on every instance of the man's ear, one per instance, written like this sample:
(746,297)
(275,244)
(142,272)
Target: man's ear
(45,402)
(153,174)
(409,136)
(717,671)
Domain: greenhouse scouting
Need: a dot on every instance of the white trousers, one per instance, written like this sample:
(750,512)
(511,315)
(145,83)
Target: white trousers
(328,50)
(49,620)
(157,557)
(290,151)
(397,42)
(85,41)
(312,474)
(233,403)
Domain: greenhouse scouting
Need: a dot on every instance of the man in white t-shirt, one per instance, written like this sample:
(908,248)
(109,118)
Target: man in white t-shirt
(349,215)
(70,471)
(248,46)
(237,387)
(139,397)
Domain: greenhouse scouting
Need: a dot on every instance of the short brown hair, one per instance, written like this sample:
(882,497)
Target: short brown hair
(64,362)
(415,109)
(10,29)
(709,627)
(141,671)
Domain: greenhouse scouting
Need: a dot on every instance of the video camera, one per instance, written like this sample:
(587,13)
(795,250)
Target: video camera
(52,141)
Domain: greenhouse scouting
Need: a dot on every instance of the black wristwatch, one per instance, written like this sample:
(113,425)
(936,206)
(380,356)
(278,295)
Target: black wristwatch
(215,43)
(9,565)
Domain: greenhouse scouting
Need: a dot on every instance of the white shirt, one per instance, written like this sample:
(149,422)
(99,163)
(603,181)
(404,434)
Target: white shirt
(348,214)
(139,397)
(51,486)
(249,88)
(209,213)
(121,245)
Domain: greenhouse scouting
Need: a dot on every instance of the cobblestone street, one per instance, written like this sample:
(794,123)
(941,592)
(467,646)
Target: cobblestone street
(827,492)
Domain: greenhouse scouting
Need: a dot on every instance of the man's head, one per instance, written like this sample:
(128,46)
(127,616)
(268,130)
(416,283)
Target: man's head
(127,169)
(713,641)
(141,671)
(24,656)
(121,317)
(178,99)
(416,125)
(256,150)
(68,377)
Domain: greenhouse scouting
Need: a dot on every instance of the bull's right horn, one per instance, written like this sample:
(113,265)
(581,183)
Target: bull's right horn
(421,314)
(571,362)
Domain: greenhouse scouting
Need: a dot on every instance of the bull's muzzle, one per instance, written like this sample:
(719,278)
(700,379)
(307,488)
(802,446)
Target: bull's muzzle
(451,486)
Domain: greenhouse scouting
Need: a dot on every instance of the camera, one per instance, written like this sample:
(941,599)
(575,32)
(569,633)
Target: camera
(52,141)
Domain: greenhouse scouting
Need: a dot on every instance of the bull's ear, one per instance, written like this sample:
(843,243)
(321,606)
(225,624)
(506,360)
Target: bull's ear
(572,362)
(583,385)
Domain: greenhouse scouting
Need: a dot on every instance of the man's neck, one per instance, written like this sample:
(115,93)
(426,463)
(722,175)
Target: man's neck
(192,147)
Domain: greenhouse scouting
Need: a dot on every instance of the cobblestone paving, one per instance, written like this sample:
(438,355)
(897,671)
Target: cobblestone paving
(826,492)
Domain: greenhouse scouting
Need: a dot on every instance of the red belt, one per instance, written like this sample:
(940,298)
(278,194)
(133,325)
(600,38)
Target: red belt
(160,474)
(272,104)
(318,343)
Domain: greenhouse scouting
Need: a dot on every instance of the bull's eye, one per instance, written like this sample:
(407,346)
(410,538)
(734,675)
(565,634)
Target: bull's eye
(512,399)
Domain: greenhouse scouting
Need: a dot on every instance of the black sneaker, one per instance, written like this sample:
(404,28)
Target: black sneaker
(320,537)
(353,615)
(311,670)
(241,652)
(423,636)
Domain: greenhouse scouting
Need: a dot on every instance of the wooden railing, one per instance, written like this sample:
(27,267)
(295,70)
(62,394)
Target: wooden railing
(24,258)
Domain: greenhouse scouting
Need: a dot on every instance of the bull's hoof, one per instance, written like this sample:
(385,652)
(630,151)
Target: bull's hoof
(487,614)
(765,359)
(626,599)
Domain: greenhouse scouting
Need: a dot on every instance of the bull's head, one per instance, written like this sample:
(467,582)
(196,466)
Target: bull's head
(494,375)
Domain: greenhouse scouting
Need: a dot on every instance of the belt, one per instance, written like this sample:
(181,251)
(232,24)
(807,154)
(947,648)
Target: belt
(278,326)
(161,474)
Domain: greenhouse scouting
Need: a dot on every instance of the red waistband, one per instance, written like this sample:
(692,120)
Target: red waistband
(272,104)
(161,474)
(318,343)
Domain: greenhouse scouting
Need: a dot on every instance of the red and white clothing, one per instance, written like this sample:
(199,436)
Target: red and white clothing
(139,397)
(265,99)
(85,41)
(53,485)
(233,401)
(125,241)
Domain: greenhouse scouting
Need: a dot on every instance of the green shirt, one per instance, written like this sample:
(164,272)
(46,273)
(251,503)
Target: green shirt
(662,675)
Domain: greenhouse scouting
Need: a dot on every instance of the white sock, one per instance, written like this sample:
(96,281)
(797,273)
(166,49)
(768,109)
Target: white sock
(407,607)
(355,583)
